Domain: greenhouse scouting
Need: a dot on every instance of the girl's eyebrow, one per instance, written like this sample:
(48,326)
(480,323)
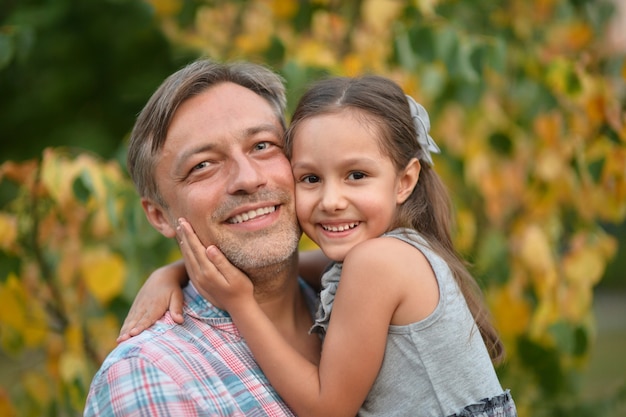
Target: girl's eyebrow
(346,162)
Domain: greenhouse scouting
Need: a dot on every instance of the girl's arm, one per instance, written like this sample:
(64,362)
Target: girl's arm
(355,341)
(162,290)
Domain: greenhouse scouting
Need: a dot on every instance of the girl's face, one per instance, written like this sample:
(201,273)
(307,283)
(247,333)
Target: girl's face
(347,191)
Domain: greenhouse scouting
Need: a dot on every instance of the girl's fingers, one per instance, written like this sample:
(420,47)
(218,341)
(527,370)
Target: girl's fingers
(136,322)
(202,273)
(176,307)
(188,240)
(222,264)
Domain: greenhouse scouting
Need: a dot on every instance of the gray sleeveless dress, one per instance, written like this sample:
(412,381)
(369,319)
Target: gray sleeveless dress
(435,367)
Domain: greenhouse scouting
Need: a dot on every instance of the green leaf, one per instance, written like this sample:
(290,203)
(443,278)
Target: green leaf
(544,363)
(501,143)
(404,53)
(7,50)
(8,264)
(81,188)
(464,65)
(570,339)
(492,257)
(446,46)
(422,42)
(495,54)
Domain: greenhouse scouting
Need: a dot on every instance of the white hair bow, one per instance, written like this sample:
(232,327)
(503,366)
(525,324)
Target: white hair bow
(422,126)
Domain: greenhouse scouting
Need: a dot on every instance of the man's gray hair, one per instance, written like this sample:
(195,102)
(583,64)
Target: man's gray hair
(150,130)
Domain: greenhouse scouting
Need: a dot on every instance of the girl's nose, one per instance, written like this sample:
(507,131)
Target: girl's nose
(332,198)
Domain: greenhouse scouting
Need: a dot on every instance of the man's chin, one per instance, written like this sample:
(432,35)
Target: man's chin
(260,253)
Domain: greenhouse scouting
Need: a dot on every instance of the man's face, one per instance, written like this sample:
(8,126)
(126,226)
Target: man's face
(223,169)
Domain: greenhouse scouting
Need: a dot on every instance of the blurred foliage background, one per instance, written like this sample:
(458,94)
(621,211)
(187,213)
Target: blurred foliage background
(527,100)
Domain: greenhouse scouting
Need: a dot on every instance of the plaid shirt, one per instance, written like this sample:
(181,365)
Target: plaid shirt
(200,368)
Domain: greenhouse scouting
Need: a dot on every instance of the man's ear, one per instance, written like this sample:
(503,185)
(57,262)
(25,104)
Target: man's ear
(408,180)
(158,218)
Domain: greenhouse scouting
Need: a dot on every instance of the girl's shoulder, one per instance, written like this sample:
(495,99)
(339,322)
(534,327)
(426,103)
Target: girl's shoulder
(386,253)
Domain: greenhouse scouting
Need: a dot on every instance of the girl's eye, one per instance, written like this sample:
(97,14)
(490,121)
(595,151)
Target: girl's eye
(310,179)
(356,175)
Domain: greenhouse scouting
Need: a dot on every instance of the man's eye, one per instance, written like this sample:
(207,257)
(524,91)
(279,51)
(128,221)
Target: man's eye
(310,179)
(262,146)
(201,165)
(356,175)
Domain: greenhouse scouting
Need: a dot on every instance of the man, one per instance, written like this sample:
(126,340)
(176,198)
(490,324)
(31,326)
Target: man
(208,147)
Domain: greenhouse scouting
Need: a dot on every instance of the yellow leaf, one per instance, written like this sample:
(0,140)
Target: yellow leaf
(466,230)
(545,314)
(352,65)
(250,43)
(314,53)
(578,36)
(102,332)
(379,14)
(72,367)
(549,127)
(258,25)
(510,310)
(101,224)
(584,266)
(535,250)
(427,7)
(104,273)
(550,165)
(6,408)
(612,200)
(166,8)
(8,231)
(37,387)
(69,263)
(595,108)
(576,302)
(284,9)
(57,175)
(12,298)
(558,72)
(36,329)
(74,339)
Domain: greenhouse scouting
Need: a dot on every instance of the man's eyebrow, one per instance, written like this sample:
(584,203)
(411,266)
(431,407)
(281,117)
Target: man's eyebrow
(266,127)
(182,156)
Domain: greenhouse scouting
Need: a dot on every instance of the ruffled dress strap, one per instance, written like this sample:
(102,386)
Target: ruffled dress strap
(330,282)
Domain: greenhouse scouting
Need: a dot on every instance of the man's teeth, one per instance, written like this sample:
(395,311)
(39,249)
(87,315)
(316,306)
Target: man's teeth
(340,228)
(240,218)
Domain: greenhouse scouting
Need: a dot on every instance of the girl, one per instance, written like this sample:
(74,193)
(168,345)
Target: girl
(404,327)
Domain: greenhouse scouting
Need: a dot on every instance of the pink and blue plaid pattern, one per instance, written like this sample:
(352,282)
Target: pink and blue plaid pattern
(200,368)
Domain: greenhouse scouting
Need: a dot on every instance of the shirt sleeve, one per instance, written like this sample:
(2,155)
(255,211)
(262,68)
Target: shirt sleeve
(135,387)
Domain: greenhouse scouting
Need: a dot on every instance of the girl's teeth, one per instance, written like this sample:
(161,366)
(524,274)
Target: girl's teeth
(341,228)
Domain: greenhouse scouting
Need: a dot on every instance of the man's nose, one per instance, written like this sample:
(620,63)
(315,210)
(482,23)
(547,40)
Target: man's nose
(246,175)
